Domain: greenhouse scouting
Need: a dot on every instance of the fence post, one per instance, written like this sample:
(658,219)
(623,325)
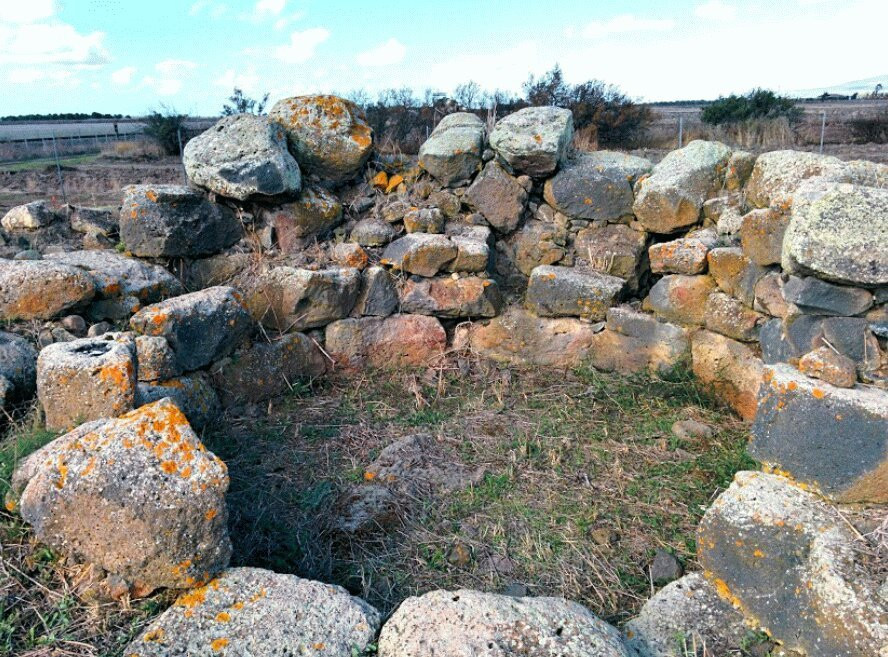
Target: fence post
(680,130)
(822,129)
(55,151)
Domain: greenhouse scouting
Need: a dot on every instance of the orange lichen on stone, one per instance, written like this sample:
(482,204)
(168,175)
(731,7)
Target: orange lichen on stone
(153,636)
(219,644)
(319,646)
(212,513)
(393,183)
(151,195)
(818,393)
(223,617)
(380,180)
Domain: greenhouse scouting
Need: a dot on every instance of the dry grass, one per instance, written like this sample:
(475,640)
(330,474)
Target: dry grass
(133,150)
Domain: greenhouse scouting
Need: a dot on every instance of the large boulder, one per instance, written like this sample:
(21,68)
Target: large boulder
(167,221)
(469,296)
(499,197)
(423,254)
(193,395)
(138,497)
(201,326)
(385,343)
(521,338)
(287,298)
(316,212)
(761,233)
(729,368)
(122,284)
(41,289)
(835,440)
(474,623)
(634,341)
(18,369)
(776,176)
(328,136)
(534,140)
(265,370)
(628,167)
(586,189)
(258,613)
(452,153)
(686,613)
(839,232)
(86,379)
(243,156)
(787,560)
(32,216)
(672,196)
(572,292)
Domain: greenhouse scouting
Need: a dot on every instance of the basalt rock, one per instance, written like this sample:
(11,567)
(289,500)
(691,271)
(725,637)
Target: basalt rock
(534,140)
(452,153)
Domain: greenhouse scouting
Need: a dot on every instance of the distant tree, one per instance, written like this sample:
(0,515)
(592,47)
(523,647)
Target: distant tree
(549,89)
(359,97)
(468,95)
(239,103)
(164,127)
(757,104)
(65,116)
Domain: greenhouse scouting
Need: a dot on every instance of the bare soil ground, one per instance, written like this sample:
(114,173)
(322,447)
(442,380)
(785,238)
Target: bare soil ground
(579,481)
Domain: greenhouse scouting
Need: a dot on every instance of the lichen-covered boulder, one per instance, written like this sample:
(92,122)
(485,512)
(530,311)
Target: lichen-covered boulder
(726,315)
(686,255)
(761,234)
(686,613)
(629,167)
(193,395)
(265,370)
(469,296)
(776,176)
(835,440)
(138,497)
(31,216)
(328,136)
(41,289)
(167,221)
(730,368)
(572,292)
(18,369)
(287,298)
(499,197)
(156,358)
(614,249)
(316,212)
(86,379)
(242,156)
(386,342)
(463,623)
(258,613)
(378,296)
(452,153)
(681,299)
(787,560)
(200,327)
(584,188)
(672,196)
(838,232)
(734,273)
(521,338)
(534,140)
(122,284)
(633,341)
(423,254)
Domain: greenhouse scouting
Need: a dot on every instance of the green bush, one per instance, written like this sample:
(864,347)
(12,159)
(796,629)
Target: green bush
(757,104)
(164,127)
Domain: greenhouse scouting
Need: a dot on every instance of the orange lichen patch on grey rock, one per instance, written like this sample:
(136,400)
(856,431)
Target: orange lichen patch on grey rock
(468,622)
(249,611)
(731,368)
(131,496)
(86,379)
(469,296)
(832,439)
(680,299)
(786,559)
(390,342)
(555,291)
(41,289)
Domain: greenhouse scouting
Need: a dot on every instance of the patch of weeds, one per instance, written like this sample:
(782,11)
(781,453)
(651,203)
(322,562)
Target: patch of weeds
(22,441)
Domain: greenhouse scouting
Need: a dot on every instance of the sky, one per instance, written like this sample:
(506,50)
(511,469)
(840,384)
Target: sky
(132,56)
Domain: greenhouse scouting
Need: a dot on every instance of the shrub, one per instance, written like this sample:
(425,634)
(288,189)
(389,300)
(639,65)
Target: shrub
(872,129)
(132,150)
(602,113)
(238,103)
(164,127)
(757,104)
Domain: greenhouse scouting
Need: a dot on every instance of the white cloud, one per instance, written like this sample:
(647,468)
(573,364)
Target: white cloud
(247,81)
(52,77)
(123,76)
(624,24)
(171,76)
(51,43)
(26,12)
(214,9)
(716,10)
(270,7)
(302,45)
(385,54)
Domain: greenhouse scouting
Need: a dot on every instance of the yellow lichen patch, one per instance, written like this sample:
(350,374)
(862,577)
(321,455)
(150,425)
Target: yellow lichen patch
(192,598)
(153,636)
(218,644)
(223,617)
(369,476)
(212,513)
(151,195)
(393,183)
(319,646)
(380,180)
(237,606)
(169,467)
(817,393)
(10,505)
(758,554)
(258,595)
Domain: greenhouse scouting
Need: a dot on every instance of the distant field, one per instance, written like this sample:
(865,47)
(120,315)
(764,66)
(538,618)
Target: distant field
(72,129)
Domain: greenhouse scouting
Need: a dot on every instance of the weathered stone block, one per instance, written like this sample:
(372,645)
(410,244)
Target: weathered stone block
(470,296)
(730,368)
(41,289)
(816,297)
(499,197)
(533,140)
(420,253)
(572,291)
(761,234)
(680,299)
(686,255)
(726,315)
(384,343)
(452,153)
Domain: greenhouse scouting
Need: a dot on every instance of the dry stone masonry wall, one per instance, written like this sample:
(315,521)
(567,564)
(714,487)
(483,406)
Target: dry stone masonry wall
(298,249)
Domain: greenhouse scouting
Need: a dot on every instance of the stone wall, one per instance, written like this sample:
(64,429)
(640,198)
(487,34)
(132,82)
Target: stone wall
(298,250)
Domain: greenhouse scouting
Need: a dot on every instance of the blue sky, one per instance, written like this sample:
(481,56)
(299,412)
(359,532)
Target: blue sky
(129,56)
